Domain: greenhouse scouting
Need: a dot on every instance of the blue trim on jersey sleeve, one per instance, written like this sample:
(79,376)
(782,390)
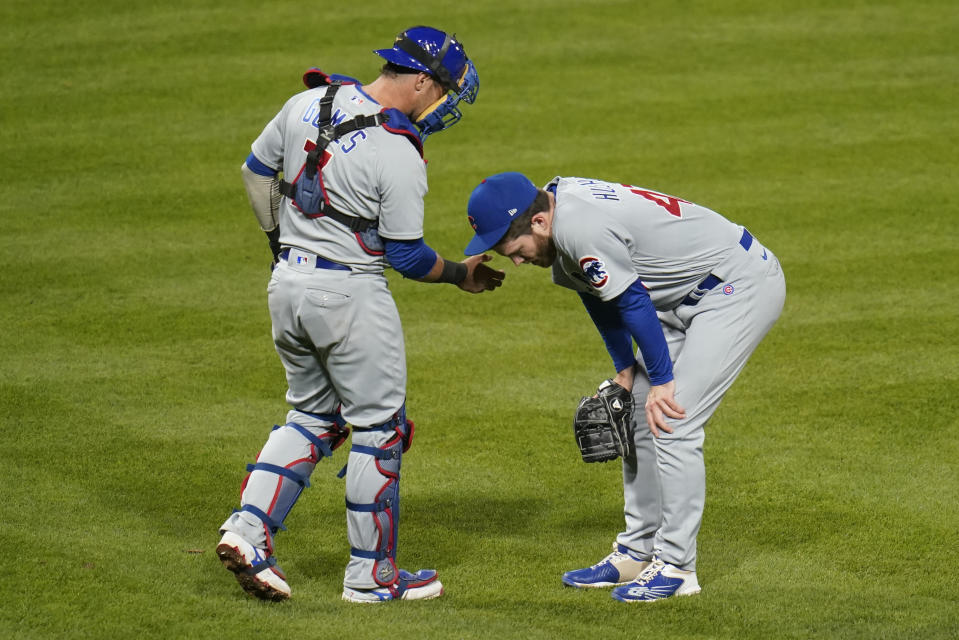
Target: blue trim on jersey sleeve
(412,258)
(639,316)
(606,317)
(258,167)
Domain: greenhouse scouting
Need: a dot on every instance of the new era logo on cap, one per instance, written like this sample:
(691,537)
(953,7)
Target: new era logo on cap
(492,206)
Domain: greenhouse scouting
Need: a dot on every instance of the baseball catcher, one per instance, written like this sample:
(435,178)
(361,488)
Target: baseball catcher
(350,204)
(603,423)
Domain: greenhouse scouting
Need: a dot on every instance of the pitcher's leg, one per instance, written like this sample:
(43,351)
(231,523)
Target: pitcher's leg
(723,331)
(642,483)
(642,492)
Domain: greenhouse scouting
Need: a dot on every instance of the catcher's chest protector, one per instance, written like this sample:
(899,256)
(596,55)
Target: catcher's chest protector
(307,191)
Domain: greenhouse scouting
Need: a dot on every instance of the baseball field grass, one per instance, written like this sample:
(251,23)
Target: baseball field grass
(137,375)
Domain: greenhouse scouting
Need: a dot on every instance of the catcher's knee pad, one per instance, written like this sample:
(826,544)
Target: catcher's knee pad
(373,494)
(283,468)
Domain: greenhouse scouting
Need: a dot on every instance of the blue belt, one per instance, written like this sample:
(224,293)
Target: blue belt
(710,281)
(321,262)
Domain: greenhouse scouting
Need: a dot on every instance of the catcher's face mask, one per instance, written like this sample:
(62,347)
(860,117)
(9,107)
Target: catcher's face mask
(443,113)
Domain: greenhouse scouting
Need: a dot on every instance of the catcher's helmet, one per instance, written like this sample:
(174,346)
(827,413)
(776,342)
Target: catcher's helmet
(439,54)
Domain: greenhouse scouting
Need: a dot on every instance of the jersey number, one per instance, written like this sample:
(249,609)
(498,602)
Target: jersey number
(669,203)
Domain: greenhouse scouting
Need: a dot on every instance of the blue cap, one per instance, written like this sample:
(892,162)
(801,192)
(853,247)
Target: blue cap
(493,206)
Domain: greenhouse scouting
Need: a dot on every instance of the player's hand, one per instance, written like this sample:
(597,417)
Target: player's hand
(661,404)
(480,277)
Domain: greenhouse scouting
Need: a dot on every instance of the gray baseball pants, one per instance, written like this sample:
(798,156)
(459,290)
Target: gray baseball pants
(664,482)
(339,336)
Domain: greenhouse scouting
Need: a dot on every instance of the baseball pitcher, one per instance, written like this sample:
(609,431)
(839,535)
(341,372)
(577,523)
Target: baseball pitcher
(696,292)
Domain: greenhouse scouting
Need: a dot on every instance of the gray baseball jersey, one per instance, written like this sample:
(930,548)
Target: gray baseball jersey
(371,173)
(608,235)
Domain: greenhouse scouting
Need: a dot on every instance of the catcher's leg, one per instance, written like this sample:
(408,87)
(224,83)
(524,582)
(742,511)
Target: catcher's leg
(275,482)
(373,513)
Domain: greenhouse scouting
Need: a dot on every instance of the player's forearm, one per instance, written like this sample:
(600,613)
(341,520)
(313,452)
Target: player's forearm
(639,317)
(446,271)
(415,259)
(618,342)
(263,192)
(624,377)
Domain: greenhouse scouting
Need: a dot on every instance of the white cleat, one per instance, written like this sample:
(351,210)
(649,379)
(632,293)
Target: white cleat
(254,568)
(422,585)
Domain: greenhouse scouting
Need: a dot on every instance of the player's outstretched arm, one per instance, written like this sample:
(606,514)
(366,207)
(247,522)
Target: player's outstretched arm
(470,275)
(416,260)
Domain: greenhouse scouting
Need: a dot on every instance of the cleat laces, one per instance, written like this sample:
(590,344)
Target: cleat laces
(650,572)
(615,555)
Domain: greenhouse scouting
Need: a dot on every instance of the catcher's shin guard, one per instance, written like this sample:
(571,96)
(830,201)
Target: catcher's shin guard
(281,472)
(373,501)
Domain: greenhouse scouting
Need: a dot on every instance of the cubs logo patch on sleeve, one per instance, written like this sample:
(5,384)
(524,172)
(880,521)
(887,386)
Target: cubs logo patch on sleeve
(594,270)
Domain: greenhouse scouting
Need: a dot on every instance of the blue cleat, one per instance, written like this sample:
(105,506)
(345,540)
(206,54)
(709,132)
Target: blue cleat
(660,580)
(618,568)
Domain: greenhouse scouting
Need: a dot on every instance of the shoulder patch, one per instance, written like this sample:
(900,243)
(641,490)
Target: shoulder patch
(594,270)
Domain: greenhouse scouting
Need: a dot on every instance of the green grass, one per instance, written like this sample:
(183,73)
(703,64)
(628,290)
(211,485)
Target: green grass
(137,375)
